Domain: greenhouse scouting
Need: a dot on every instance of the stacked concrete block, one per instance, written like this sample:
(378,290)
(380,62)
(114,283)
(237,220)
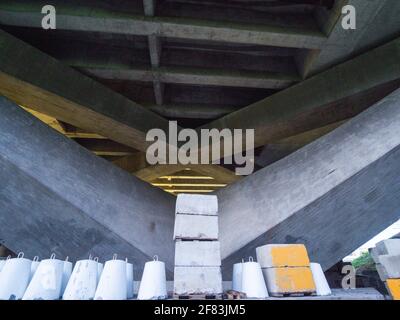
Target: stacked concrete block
(286,269)
(386,255)
(197,249)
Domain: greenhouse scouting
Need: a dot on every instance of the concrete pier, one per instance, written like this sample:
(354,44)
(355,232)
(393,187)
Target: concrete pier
(332,195)
(55,196)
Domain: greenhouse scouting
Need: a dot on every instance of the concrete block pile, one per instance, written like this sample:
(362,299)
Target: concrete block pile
(286,269)
(386,255)
(197,249)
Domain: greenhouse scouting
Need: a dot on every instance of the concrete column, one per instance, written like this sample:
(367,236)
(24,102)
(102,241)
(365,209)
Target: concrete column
(332,195)
(55,196)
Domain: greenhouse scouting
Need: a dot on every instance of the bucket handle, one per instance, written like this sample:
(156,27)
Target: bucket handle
(53,256)
(90,257)
(96,259)
(251,259)
(155,258)
(9,257)
(115,256)
(20,255)
(35,258)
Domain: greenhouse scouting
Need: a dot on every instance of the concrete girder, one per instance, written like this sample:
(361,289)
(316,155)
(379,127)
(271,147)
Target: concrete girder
(198,76)
(377,22)
(183,28)
(38,81)
(332,195)
(316,102)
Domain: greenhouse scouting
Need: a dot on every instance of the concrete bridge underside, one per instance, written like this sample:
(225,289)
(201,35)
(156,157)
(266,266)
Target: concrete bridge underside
(103,79)
(333,195)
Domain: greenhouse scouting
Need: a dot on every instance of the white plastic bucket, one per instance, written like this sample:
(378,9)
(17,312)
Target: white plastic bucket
(14,278)
(67,271)
(253,283)
(82,282)
(153,284)
(129,280)
(34,266)
(237,276)
(113,283)
(321,284)
(47,280)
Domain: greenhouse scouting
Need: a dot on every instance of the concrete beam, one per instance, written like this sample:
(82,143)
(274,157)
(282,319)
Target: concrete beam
(195,111)
(377,23)
(276,151)
(104,147)
(58,197)
(155,50)
(106,21)
(38,81)
(317,101)
(198,76)
(332,195)
(150,173)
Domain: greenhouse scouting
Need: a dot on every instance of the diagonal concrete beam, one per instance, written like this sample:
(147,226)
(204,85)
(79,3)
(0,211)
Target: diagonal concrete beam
(377,22)
(81,18)
(55,196)
(38,81)
(319,100)
(332,195)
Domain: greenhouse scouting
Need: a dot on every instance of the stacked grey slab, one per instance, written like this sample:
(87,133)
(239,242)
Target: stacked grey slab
(386,255)
(197,249)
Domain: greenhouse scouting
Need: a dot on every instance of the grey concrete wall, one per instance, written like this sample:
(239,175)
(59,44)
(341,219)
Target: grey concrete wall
(55,196)
(332,195)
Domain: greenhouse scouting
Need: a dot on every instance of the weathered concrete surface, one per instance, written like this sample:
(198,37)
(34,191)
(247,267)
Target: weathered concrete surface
(389,246)
(197,253)
(291,280)
(197,204)
(40,82)
(106,21)
(377,23)
(332,195)
(196,227)
(197,280)
(55,196)
(313,102)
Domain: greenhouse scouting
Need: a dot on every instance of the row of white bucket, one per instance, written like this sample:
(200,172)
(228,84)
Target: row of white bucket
(53,279)
(248,278)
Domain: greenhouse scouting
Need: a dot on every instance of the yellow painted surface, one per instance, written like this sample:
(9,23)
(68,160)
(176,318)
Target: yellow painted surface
(294,280)
(394,288)
(292,255)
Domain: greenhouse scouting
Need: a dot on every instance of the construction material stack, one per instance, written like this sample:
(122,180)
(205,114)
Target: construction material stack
(197,249)
(286,269)
(386,255)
